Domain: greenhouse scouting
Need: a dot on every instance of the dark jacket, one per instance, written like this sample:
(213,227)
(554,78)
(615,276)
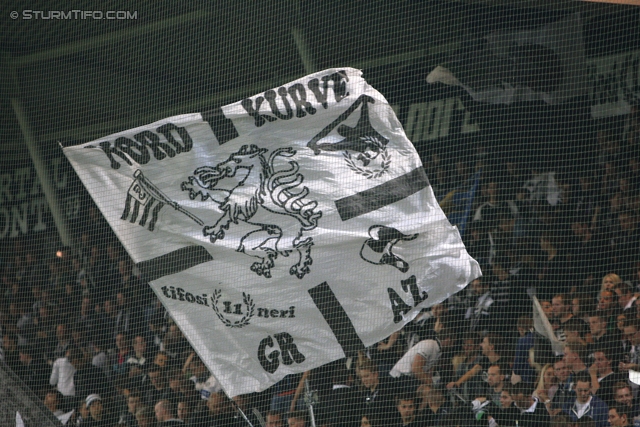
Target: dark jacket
(505,417)
(598,411)
(341,408)
(381,403)
(35,375)
(536,417)
(90,379)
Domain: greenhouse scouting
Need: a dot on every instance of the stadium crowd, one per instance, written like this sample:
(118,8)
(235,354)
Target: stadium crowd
(85,333)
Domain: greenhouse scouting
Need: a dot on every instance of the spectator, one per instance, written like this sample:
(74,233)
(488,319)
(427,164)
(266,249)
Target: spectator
(521,366)
(107,316)
(53,401)
(78,339)
(464,361)
(41,330)
(128,281)
(82,413)
(138,359)
(64,340)
(87,316)
(134,402)
(553,267)
(547,386)
(387,352)
(606,378)
(342,408)
(508,412)
(166,414)
(561,314)
(298,419)
(626,297)
(129,319)
(274,419)
(563,394)
(491,354)
(574,357)
(99,357)
(632,358)
(98,417)
(609,282)
(434,406)
(139,355)
(161,359)
(204,382)
(585,404)
(602,338)
(88,379)
(488,211)
(565,421)
(62,376)
(185,409)
(407,408)
(575,331)
(118,361)
(607,309)
(157,329)
(219,411)
(624,398)
(582,306)
(177,383)
(159,389)
(495,383)
(507,294)
(480,315)
(533,413)
(547,308)
(621,321)
(377,394)
(421,359)
(625,241)
(145,417)
(619,417)
(637,308)
(34,371)
(174,342)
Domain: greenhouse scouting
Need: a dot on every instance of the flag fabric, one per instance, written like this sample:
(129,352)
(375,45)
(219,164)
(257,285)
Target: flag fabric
(544,187)
(281,232)
(543,327)
(545,63)
(143,193)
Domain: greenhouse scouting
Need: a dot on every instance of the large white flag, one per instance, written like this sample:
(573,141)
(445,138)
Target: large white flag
(281,232)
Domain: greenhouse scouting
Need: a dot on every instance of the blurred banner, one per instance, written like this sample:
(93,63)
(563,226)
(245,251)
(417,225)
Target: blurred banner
(546,63)
(282,232)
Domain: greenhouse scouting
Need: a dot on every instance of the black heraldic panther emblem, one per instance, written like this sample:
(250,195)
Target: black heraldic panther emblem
(250,188)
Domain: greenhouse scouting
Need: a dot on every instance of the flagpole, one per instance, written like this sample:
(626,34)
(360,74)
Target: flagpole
(157,194)
(242,413)
(301,44)
(42,174)
(310,400)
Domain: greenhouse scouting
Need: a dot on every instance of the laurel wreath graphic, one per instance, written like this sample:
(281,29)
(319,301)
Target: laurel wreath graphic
(244,321)
(370,173)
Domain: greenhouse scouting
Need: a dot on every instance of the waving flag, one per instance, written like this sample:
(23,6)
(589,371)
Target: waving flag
(545,63)
(283,231)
